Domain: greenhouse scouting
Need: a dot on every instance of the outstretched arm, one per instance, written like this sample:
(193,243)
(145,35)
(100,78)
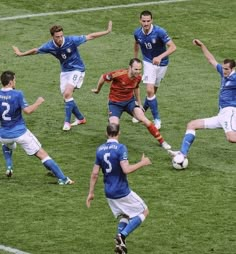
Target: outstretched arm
(99,85)
(99,34)
(136,49)
(210,58)
(30,109)
(93,181)
(26,53)
(127,168)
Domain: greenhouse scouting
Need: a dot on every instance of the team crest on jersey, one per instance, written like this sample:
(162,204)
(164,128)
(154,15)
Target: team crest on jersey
(68,50)
(154,41)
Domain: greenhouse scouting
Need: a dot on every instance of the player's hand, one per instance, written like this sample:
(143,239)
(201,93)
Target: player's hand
(40,100)
(145,160)
(95,90)
(197,42)
(109,28)
(16,51)
(156,60)
(89,199)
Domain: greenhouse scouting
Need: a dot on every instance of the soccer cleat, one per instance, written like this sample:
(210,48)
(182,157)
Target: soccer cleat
(9,172)
(173,153)
(157,123)
(66,126)
(78,122)
(120,245)
(134,120)
(166,146)
(67,181)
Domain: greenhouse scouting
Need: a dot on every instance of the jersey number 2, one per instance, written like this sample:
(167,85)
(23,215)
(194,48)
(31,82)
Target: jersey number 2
(4,117)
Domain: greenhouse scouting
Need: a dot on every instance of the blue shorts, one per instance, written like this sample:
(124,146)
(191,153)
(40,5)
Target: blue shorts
(117,108)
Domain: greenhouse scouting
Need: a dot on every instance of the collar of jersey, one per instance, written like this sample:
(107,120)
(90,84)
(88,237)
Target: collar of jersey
(112,140)
(151,28)
(7,89)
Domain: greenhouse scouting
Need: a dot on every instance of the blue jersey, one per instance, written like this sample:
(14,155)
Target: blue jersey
(152,44)
(108,157)
(11,104)
(227,95)
(67,54)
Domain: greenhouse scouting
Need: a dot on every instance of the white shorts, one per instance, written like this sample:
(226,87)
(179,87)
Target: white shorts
(27,141)
(131,205)
(74,78)
(226,119)
(153,74)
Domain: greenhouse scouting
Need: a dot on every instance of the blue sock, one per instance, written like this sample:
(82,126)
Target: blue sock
(188,139)
(122,224)
(51,165)
(146,104)
(69,105)
(76,112)
(7,153)
(153,104)
(133,224)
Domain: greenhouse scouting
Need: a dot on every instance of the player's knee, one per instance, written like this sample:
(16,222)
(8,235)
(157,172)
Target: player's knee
(231,137)
(146,212)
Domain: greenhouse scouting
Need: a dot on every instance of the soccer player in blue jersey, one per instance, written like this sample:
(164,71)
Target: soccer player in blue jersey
(112,158)
(226,117)
(14,131)
(156,46)
(65,49)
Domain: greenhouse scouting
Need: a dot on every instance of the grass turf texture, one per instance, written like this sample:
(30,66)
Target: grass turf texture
(191,211)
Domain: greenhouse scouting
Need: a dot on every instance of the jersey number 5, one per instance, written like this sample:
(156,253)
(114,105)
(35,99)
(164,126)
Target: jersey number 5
(106,159)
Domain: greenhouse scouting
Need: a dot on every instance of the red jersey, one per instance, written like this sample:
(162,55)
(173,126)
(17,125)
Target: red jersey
(122,87)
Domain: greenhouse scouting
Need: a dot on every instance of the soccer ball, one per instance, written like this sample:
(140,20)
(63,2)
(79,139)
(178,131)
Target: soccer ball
(179,161)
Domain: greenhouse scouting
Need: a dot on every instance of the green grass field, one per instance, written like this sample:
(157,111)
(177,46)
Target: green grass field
(191,211)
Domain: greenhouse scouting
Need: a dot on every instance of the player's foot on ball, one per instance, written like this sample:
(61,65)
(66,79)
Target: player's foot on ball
(166,146)
(9,172)
(66,126)
(78,122)
(173,153)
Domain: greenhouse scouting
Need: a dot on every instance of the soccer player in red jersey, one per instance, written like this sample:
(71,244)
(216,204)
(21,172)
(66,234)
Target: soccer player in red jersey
(124,96)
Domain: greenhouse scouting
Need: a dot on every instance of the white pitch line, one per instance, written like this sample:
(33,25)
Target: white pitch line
(90,9)
(11,250)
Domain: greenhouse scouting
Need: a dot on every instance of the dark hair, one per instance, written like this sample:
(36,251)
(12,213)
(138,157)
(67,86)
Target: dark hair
(145,13)
(113,129)
(231,62)
(134,60)
(6,77)
(56,28)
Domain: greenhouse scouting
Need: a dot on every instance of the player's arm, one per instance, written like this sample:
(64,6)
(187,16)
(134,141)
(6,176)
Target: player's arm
(100,83)
(137,96)
(99,34)
(136,49)
(171,48)
(93,181)
(210,58)
(26,53)
(31,108)
(127,168)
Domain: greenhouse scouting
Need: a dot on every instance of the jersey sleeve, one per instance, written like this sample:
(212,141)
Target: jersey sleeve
(78,40)
(22,100)
(219,69)
(44,49)
(164,35)
(108,77)
(123,153)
